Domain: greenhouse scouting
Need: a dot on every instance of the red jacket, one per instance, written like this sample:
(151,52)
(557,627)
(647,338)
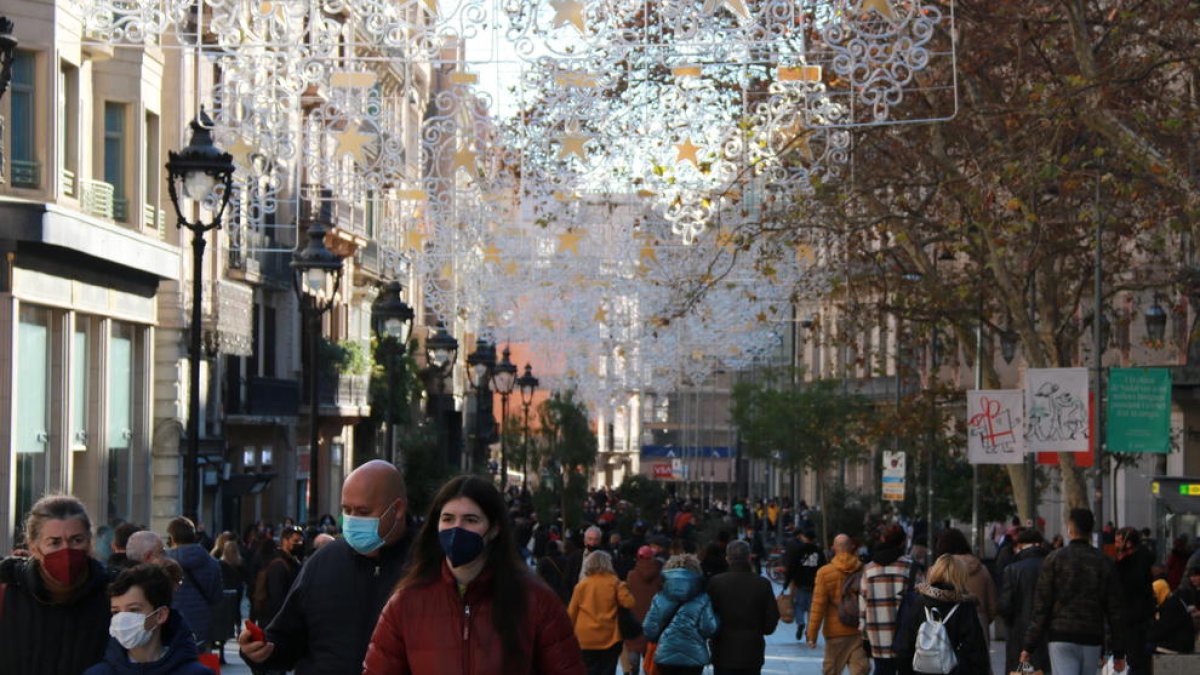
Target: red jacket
(431,630)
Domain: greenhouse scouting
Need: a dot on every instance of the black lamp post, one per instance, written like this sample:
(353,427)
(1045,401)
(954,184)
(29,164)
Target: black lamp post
(1008,344)
(504,377)
(441,352)
(316,276)
(8,52)
(1156,321)
(196,171)
(527,384)
(392,321)
(480,364)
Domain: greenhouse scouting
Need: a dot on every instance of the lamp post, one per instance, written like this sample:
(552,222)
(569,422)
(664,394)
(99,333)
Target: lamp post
(392,322)
(480,364)
(504,377)
(1156,321)
(195,171)
(527,384)
(316,276)
(441,352)
(8,52)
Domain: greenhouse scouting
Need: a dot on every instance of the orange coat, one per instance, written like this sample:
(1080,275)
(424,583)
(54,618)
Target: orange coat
(827,593)
(593,609)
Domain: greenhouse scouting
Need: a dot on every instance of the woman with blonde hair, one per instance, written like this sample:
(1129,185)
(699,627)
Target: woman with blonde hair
(593,612)
(944,598)
(54,608)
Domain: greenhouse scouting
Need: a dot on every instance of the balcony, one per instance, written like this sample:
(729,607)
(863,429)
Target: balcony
(261,397)
(344,395)
(26,173)
(66,179)
(96,198)
(155,219)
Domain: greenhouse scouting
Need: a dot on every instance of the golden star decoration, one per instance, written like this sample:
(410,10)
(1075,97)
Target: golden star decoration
(548,324)
(601,315)
(464,158)
(881,7)
(351,141)
(569,241)
(511,268)
(647,254)
(573,143)
(738,7)
(686,152)
(241,151)
(569,11)
(795,138)
(491,254)
(416,240)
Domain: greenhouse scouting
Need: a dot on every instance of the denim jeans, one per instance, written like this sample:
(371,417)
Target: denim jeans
(801,603)
(1069,658)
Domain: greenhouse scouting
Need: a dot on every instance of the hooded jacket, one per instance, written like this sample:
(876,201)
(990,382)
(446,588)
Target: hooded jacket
(201,590)
(963,629)
(982,587)
(681,620)
(745,603)
(593,610)
(432,629)
(180,658)
(1018,586)
(645,581)
(39,636)
(827,595)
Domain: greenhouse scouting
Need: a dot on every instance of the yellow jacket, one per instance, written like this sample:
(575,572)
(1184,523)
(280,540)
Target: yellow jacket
(593,610)
(827,593)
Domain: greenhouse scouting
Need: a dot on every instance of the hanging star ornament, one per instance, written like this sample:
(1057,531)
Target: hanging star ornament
(686,152)
(881,7)
(738,7)
(569,11)
(573,143)
(241,151)
(491,254)
(464,158)
(351,141)
(569,241)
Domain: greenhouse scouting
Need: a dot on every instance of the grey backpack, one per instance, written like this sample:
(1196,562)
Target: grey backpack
(935,652)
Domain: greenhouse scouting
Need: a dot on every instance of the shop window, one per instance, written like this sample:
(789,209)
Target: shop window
(31,437)
(120,422)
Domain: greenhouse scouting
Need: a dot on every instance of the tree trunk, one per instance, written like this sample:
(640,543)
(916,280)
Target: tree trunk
(1074,487)
(824,509)
(1021,487)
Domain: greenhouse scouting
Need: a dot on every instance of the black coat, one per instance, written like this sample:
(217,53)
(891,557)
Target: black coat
(1137,590)
(802,560)
(963,629)
(1077,594)
(326,621)
(1017,589)
(744,603)
(38,637)
(1172,626)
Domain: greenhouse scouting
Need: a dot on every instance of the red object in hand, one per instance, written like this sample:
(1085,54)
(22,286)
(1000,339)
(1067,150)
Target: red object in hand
(256,633)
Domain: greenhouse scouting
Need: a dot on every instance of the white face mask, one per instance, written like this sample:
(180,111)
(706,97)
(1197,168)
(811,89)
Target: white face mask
(129,628)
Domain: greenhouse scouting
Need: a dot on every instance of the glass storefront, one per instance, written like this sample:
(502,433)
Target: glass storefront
(120,422)
(31,431)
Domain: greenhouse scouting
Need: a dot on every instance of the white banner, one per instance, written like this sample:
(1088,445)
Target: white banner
(1056,407)
(996,426)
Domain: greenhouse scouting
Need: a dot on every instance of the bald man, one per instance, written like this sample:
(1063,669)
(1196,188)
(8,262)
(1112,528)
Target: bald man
(327,618)
(843,644)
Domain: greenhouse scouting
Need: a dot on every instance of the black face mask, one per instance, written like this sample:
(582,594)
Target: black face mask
(589,549)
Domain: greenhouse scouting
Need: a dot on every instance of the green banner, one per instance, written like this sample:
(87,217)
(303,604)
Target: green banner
(1139,410)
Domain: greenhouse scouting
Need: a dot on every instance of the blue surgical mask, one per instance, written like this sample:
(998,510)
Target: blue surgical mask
(362,533)
(460,546)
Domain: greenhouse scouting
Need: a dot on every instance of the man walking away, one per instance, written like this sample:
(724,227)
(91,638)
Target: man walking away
(843,644)
(745,606)
(273,581)
(1077,592)
(1137,596)
(803,559)
(327,618)
(885,580)
(201,590)
(1017,587)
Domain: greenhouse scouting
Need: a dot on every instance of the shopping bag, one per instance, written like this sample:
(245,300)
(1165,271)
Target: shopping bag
(1026,669)
(211,661)
(787,611)
(1108,669)
(648,661)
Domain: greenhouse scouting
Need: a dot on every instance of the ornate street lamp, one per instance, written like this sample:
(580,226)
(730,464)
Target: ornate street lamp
(391,319)
(1156,321)
(504,377)
(441,352)
(8,52)
(1008,344)
(195,171)
(479,366)
(316,276)
(527,384)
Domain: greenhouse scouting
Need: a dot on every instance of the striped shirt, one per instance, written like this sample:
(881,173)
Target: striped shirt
(879,603)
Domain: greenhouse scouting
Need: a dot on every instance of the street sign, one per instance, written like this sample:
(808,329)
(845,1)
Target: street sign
(893,475)
(1139,410)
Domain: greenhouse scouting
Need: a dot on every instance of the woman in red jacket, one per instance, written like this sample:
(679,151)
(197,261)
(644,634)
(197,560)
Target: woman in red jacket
(469,605)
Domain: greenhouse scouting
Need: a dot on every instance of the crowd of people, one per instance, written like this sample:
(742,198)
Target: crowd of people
(480,584)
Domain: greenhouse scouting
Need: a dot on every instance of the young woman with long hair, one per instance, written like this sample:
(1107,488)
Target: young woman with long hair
(469,605)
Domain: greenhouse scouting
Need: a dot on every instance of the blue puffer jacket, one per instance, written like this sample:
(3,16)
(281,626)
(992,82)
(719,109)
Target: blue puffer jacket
(683,640)
(201,588)
(180,658)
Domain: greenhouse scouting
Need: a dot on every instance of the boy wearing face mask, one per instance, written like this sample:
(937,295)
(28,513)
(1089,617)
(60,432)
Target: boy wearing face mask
(147,638)
(53,605)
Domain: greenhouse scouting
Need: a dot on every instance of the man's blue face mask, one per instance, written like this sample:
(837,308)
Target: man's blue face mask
(362,533)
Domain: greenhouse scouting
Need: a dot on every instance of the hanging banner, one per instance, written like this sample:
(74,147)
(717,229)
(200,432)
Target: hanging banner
(1056,409)
(893,476)
(1139,410)
(996,426)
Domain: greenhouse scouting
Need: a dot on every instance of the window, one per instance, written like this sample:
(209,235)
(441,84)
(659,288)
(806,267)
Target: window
(79,383)
(120,421)
(25,167)
(151,180)
(372,214)
(31,439)
(114,157)
(68,129)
